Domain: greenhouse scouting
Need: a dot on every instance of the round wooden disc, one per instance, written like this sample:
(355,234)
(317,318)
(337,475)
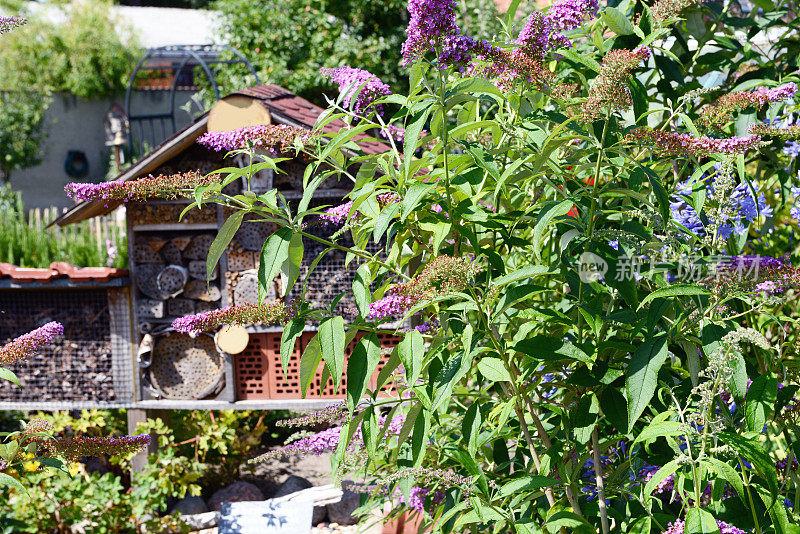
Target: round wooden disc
(233,339)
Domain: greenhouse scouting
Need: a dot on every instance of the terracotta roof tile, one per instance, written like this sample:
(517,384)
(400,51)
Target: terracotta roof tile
(60,270)
(279,100)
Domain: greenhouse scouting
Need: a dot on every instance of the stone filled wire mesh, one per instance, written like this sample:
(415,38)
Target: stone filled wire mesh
(74,369)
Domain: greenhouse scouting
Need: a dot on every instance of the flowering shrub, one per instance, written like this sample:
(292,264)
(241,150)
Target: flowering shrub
(586,237)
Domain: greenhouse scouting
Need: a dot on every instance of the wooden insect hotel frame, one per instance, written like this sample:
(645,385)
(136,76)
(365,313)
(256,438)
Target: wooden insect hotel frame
(167,270)
(90,366)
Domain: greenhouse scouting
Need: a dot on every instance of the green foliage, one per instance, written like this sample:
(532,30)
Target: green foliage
(289,41)
(84,56)
(537,399)
(196,450)
(27,243)
(21,130)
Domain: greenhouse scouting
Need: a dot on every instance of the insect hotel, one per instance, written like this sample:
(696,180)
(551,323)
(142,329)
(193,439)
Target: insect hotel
(167,256)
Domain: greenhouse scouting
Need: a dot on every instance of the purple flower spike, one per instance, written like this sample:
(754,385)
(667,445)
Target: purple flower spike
(9,23)
(359,87)
(25,345)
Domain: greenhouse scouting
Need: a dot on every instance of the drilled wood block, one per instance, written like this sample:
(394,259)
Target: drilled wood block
(181,241)
(144,253)
(198,248)
(199,290)
(147,280)
(241,261)
(197,269)
(171,253)
(150,309)
(172,279)
(179,307)
(185,367)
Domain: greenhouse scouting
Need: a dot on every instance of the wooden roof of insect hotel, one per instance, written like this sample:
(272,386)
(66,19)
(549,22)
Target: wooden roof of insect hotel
(263,104)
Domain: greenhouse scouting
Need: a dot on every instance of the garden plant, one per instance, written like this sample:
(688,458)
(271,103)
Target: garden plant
(587,227)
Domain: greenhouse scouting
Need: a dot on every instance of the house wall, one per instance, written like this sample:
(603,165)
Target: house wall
(76,124)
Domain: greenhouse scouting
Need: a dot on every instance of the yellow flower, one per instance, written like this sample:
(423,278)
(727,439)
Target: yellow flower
(28,455)
(31,466)
(74,468)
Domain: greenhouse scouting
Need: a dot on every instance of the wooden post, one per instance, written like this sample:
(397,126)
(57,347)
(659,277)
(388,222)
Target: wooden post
(136,416)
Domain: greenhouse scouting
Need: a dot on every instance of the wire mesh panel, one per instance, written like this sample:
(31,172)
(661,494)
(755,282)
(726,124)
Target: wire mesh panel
(332,275)
(89,366)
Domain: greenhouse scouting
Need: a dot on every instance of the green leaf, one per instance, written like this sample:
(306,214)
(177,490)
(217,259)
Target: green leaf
(698,521)
(526,272)
(546,348)
(584,417)
(361,293)
(273,254)
(527,483)
(617,22)
(661,195)
(642,375)
(412,139)
(728,473)
(753,451)
(661,429)
(493,369)
(291,332)
(659,476)
(760,401)
(7,374)
(641,526)
(331,338)
(584,59)
(413,197)
(547,214)
(222,241)
(471,427)
(419,438)
(11,481)
(294,260)
(411,351)
(615,408)
(309,363)
(677,290)
(360,366)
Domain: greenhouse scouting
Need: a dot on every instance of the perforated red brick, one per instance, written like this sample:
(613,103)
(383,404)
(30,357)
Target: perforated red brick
(259,374)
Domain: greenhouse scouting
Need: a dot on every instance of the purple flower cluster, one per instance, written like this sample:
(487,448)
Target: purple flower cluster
(570,14)
(9,23)
(431,22)
(679,144)
(459,49)
(328,440)
(246,314)
(417,496)
(25,345)
(338,214)
(167,186)
(393,305)
(542,31)
(359,87)
(77,447)
(678,528)
(330,415)
(275,138)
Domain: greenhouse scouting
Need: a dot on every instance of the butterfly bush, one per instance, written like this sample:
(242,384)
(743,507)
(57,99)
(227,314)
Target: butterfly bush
(571,282)
(273,312)
(9,23)
(26,345)
(359,87)
(276,138)
(164,186)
